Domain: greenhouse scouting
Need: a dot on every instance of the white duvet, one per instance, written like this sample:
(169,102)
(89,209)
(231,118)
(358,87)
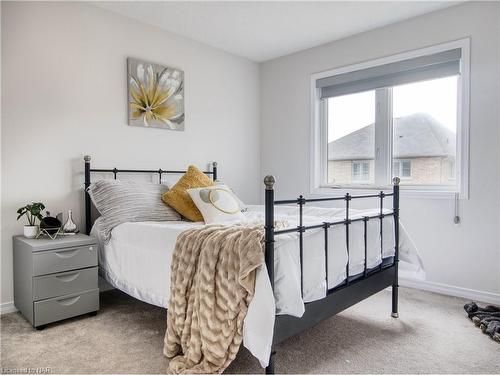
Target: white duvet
(137,261)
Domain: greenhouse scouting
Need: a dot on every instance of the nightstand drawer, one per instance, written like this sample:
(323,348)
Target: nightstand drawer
(59,284)
(59,308)
(64,259)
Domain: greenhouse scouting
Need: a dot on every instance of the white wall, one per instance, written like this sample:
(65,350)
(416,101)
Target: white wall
(64,96)
(461,257)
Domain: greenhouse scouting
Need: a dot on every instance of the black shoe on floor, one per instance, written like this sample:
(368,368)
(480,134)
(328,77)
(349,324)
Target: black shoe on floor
(474,311)
(470,308)
(479,317)
(486,321)
(493,328)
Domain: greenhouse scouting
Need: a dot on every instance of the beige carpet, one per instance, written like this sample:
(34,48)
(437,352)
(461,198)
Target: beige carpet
(432,336)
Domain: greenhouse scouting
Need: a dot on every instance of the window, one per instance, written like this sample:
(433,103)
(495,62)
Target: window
(403,116)
(402,168)
(360,171)
(348,143)
(405,168)
(424,121)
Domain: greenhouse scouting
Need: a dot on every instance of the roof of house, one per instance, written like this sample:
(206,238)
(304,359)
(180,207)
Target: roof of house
(416,135)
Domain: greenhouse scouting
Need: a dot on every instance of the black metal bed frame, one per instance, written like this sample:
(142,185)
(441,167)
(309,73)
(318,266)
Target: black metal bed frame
(351,291)
(337,299)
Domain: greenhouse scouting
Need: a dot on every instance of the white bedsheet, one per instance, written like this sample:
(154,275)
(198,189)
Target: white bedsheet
(137,260)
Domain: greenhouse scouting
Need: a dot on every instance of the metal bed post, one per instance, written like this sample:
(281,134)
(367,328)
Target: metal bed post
(269,247)
(347,223)
(326,226)
(395,208)
(301,201)
(88,219)
(365,243)
(214,171)
(382,195)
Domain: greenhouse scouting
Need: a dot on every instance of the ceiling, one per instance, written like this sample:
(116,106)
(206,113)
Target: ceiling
(263,30)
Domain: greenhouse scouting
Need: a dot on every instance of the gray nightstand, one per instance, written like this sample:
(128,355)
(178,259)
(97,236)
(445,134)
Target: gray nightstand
(55,279)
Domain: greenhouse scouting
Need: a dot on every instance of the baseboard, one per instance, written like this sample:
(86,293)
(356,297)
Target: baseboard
(7,307)
(449,290)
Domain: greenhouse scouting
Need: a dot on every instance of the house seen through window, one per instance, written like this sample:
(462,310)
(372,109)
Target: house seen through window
(422,118)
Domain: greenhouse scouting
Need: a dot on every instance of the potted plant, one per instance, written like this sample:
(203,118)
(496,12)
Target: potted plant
(32,211)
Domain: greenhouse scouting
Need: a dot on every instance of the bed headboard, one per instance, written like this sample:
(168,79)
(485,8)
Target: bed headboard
(89,221)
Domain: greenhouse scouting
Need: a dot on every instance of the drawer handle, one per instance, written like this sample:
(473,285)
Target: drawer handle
(67,253)
(68,277)
(68,301)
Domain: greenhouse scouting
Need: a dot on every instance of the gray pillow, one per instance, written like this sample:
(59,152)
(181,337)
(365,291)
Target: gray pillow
(126,201)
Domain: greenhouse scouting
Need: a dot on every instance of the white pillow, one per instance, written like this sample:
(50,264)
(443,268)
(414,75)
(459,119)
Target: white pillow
(243,206)
(217,204)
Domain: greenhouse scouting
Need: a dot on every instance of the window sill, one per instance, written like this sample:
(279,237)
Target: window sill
(404,191)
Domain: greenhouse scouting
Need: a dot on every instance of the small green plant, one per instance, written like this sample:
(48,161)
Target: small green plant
(32,211)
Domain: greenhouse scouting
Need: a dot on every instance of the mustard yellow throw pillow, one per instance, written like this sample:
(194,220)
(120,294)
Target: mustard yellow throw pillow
(178,198)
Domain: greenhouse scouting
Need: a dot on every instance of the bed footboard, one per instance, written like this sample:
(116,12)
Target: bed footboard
(350,292)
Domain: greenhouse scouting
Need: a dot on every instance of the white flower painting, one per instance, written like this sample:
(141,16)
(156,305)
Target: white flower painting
(155,95)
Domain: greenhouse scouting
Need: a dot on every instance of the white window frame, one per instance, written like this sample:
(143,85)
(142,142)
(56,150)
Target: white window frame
(383,161)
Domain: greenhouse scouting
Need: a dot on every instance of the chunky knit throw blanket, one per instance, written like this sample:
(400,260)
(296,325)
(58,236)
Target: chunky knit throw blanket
(212,283)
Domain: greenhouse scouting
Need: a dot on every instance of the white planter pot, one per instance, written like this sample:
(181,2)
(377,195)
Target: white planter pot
(30,231)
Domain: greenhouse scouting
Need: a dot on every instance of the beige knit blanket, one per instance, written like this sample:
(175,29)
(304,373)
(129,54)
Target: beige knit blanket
(212,283)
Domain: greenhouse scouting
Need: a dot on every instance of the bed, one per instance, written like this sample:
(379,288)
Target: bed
(324,260)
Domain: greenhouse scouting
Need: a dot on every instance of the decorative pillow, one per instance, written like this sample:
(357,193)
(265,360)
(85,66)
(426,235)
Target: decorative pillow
(125,201)
(178,198)
(243,206)
(218,204)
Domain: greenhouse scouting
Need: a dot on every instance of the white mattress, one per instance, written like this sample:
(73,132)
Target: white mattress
(137,259)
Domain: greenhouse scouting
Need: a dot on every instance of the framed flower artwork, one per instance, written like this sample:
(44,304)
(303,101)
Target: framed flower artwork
(155,95)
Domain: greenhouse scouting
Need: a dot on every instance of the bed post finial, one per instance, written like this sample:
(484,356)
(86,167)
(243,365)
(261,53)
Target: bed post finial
(269,181)
(87,158)
(396,181)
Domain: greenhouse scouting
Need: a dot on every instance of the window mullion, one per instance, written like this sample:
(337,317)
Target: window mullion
(383,136)
(323,121)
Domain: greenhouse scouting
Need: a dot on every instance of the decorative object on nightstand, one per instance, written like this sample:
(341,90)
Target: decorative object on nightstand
(50,226)
(32,212)
(69,227)
(55,279)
